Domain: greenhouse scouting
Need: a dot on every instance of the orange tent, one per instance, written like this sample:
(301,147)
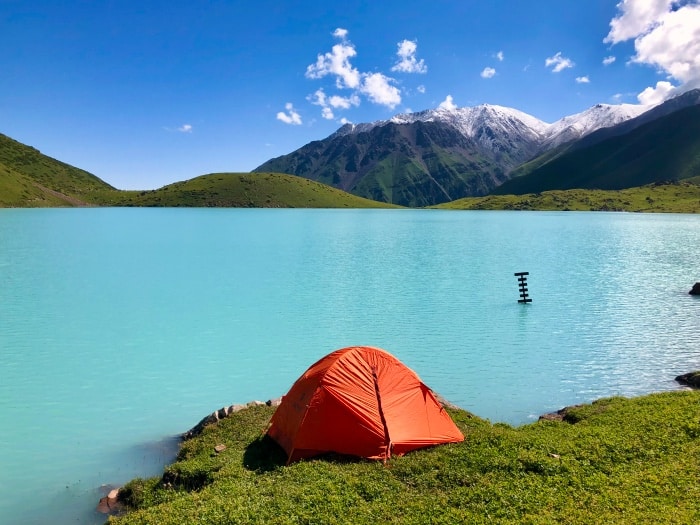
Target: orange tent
(360,401)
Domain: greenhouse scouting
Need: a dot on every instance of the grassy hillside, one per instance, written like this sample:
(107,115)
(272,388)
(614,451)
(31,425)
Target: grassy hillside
(247,190)
(623,461)
(666,198)
(667,148)
(29,178)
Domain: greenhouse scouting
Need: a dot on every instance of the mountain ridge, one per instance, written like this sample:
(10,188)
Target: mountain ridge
(495,141)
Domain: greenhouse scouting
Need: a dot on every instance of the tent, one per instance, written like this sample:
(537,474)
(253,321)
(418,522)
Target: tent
(360,401)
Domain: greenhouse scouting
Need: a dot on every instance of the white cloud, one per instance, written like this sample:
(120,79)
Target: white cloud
(488,72)
(421,89)
(185,128)
(500,56)
(666,36)
(345,121)
(337,101)
(291,116)
(583,80)
(340,33)
(379,90)
(638,17)
(559,62)
(656,95)
(407,58)
(319,98)
(337,63)
(609,60)
(447,104)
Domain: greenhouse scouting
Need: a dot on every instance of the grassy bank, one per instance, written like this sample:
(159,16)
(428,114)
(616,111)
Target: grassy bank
(655,198)
(614,461)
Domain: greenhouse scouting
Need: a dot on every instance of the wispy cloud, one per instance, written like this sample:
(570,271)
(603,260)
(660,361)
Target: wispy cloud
(448,103)
(609,60)
(421,89)
(185,128)
(666,36)
(291,116)
(583,80)
(558,63)
(407,62)
(500,56)
(488,72)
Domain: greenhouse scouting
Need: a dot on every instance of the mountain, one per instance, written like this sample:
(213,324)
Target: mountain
(30,178)
(438,155)
(664,149)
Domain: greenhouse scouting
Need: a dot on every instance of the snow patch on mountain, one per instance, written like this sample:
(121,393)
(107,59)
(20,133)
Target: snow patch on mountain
(496,127)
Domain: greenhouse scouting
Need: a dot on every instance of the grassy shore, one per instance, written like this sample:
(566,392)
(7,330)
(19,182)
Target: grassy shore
(682,197)
(616,460)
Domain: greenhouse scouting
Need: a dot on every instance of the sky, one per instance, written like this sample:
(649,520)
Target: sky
(146,93)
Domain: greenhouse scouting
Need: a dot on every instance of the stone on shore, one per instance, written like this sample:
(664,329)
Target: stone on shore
(690,379)
(110,503)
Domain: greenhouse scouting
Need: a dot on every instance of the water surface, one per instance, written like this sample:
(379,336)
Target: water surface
(120,328)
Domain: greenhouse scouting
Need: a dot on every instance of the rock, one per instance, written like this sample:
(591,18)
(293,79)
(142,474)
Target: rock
(695,290)
(559,415)
(110,503)
(219,448)
(691,379)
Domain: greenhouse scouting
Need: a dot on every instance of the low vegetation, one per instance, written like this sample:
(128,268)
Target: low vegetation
(616,460)
(247,190)
(683,197)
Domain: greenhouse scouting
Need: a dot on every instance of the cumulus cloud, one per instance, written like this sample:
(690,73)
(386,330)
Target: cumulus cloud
(447,104)
(657,94)
(291,116)
(666,36)
(407,62)
(500,56)
(337,63)
(378,89)
(327,103)
(608,60)
(558,62)
(583,80)
(637,17)
(488,72)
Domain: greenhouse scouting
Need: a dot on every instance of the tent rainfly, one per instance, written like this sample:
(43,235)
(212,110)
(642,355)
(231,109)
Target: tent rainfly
(360,401)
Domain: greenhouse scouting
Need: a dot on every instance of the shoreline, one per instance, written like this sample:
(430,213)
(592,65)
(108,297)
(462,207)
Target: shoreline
(110,504)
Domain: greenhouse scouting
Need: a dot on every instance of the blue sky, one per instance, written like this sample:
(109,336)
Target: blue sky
(147,93)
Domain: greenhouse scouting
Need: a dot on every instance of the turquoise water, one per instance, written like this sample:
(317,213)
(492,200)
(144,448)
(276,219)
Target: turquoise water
(120,328)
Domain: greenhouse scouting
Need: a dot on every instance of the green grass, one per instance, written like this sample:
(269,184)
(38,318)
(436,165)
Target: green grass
(614,461)
(681,197)
(247,190)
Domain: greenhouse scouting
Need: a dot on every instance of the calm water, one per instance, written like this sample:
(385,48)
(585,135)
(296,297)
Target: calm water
(120,328)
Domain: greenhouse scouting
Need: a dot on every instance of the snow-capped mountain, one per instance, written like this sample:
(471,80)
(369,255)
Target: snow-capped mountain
(437,155)
(511,124)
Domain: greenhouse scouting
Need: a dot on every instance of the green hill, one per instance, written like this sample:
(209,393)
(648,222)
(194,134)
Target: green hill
(29,178)
(664,149)
(247,190)
(682,197)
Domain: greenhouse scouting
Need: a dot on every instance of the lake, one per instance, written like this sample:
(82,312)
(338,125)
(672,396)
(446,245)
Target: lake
(121,328)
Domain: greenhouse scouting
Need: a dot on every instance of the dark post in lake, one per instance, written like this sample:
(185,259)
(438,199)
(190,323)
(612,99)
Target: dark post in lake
(522,281)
